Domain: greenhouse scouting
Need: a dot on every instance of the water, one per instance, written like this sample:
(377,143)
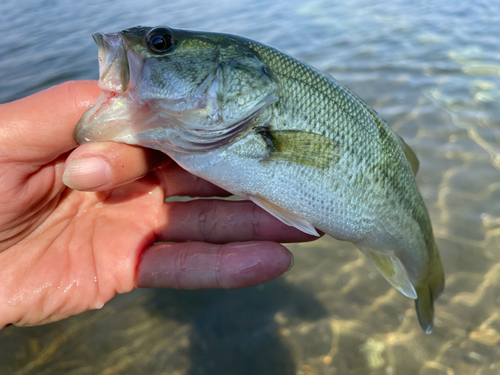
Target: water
(431,70)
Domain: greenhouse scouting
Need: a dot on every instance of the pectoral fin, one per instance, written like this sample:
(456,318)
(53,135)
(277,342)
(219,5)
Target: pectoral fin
(300,147)
(287,217)
(393,271)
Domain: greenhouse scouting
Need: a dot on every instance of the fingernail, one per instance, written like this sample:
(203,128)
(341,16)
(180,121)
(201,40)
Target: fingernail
(291,262)
(87,174)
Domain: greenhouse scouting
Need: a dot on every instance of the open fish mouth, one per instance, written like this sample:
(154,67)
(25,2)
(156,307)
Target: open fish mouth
(119,66)
(119,75)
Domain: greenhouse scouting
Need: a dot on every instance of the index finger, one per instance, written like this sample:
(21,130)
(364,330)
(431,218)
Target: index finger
(40,126)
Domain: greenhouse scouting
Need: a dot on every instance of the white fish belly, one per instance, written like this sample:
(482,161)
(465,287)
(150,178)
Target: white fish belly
(304,190)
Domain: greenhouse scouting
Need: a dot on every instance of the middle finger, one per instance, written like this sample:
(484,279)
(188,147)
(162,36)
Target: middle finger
(220,221)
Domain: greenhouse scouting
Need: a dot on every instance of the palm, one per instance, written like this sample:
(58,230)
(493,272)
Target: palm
(86,246)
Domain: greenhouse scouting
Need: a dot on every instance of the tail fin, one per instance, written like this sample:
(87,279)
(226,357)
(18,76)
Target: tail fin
(428,290)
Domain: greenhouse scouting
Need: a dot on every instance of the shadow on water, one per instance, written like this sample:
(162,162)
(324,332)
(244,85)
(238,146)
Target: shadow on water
(204,332)
(235,331)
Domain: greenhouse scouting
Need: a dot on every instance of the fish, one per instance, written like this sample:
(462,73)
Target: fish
(274,130)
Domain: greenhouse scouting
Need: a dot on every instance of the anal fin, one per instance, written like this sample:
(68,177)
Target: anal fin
(393,271)
(287,217)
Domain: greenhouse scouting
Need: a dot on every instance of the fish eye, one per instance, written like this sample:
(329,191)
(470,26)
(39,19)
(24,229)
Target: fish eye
(160,40)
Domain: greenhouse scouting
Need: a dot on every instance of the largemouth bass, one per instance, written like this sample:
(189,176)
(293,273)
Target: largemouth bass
(274,130)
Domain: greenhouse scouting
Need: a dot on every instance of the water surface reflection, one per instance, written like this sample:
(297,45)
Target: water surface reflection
(432,71)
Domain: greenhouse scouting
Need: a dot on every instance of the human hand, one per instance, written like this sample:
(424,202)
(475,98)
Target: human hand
(64,251)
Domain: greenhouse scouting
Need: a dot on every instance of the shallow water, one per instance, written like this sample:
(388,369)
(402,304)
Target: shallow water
(432,71)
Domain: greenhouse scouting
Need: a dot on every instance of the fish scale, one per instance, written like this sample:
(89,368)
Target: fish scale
(272,129)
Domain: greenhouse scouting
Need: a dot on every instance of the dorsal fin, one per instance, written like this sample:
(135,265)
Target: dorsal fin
(410,155)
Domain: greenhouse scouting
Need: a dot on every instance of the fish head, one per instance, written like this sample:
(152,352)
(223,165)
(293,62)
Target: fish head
(174,90)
